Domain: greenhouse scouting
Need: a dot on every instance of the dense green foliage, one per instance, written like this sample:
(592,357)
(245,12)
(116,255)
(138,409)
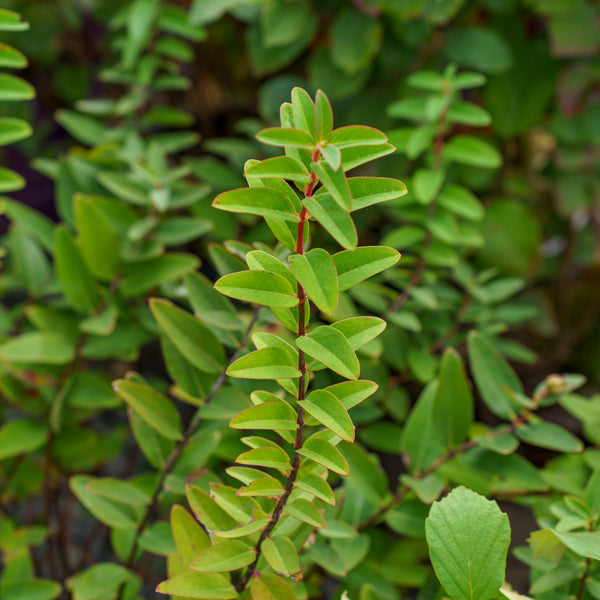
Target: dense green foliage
(220,379)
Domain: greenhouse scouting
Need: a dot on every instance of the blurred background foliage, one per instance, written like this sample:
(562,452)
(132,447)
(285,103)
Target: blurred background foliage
(540,60)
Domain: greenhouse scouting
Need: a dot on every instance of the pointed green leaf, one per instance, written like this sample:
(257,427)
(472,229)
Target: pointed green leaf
(333,218)
(21,436)
(207,511)
(315,485)
(224,556)
(323,117)
(357,135)
(281,555)
(367,191)
(323,453)
(304,511)
(261,201)
(284,167)
(453,410)
(468,538)
(190,538)
(14,88)
(332,156)
(268,415)
(198,586)
(303,109)
(329,346)
(335,183)
(260,287)
(353,266)
(270,457)
(360,330)
(286,137)
(151,406)
(267,363)
(84,129)
(316,273)
(329,411)
(492,374)
(191,337)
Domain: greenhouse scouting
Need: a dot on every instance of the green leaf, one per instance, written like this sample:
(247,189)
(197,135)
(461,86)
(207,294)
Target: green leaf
(323,117)
(585,543)
(285,167)
(304,511)
(224,556)
(199,586)
(358,135)
(303,110)
(21,436)
(118,490)
(32,222)
(31,589)
(468,538)
(260,287)
(125,187)
(190,539)
(329,346)
(268,586)
(14,88)
(492,374)
(262,261)
(367,191)
(176,231)
(360,330)
(329,411)
(453,407)
(549,435)
(98,242)
(268,487)
(261,201)
(84,129)
(316,273)
(46,348)
(271,457)
(427,183)
(151,406)
(13,130)
(467,113)
(351,393)
(207,511)
(286,137)
(268,363)
(472,151)
(479,48)
(461,202)
(11,21)
(10,181)
(353,266)
(337,221)
(282,23)
(315,485)
(324,453)
(192,338)
(268,415)
(281,555)
(335,183)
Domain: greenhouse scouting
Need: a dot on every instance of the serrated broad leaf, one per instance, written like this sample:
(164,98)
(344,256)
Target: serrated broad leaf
(336,221)
(260,201)
(354,266)
(151,406)
(268,415)
(468,538)
(329,411)
(267,363)
(260,287)
(316,273)
(329,346)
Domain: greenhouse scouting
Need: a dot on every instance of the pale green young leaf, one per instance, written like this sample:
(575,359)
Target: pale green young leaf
(303,109)
(468,538)
(335,183)
(191,337)
(246,529)
(329,346)
(367,191)
(199,586)
(316,273)
(357,135)
(284,167)
(453,407)
(151,406)
(288,137)
(190,538)
(261,201)
(281,555)
(336,221)
(268,415)
(305,511)
(323,117)
(268,487)
(260,287)
(332,156)
(360,330)
(324,453)
(270,457)
(330,412)
(353,266)
(267,363)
